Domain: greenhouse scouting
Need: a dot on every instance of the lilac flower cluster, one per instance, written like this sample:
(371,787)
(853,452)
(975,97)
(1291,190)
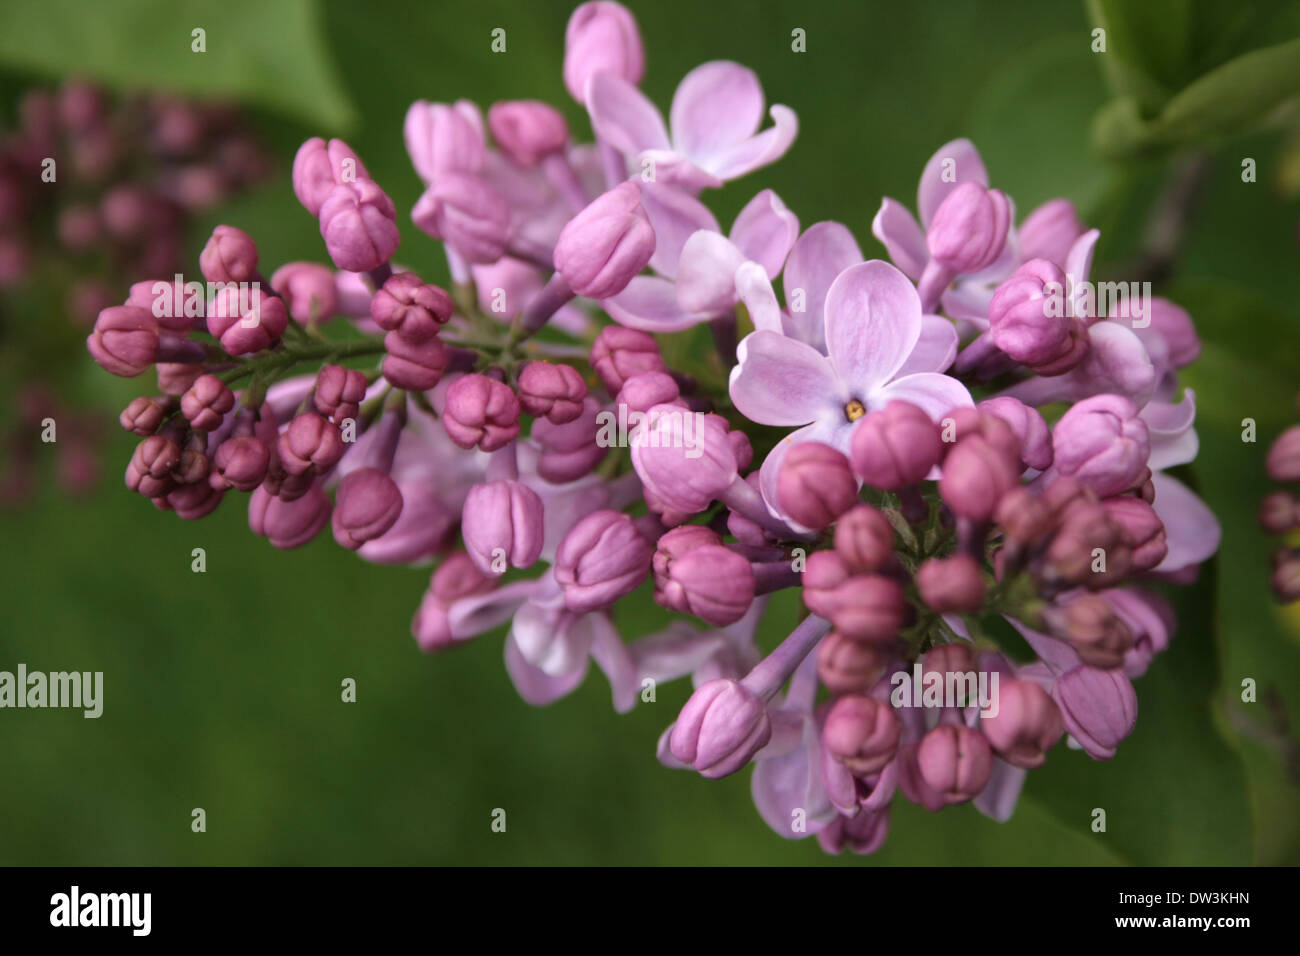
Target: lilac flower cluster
(1279,513)
(908,487)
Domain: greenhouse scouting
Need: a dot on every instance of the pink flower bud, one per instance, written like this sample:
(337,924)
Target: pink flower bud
(1049,231)
(619,353)
(1174,327)
(1283,461)
(175,378)
(527,130)
(847,666)
(415,366)
(443,139)
(975,477)
(229,256)
(864,539)
(206,402)
(502,522)
(150,469)
(709,581)
(125,340)
(895,447)
(865,607)
(288,524)
(308,289)
(683,479)
(861,733)
(1027,424)
(815,485)
(481,411)
(955,761)
(1028,320)
(1023,517)
(951,585)
(1094,630)
(602,558)
(244,320)
(643,391)
(606,244)
(240,463)
(1278,512)
(1102,443)
(143,416)
(1099,708)
(191,502)
(721,727)
(318,168)
(1143,531)
(339,392)
(358,224)
(569,450)
(407,305)
(1285,580)
(552,391)
(969,228)
(310,444)
(1027,724)
(366,505)
(601,36)
(468,214)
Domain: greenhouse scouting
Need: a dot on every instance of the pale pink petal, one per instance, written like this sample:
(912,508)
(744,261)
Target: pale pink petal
(757,151)
(936,394)
(824,251)
(1173,440)
(873,321)
(755,290)
(765,230)
(535,686)
(935,349)
(706,277)
(623,117)
(779,381)
(1078,266)
(902,237)
(649,303)
(1191,529)
(716,105)
(675,215)
(951,165)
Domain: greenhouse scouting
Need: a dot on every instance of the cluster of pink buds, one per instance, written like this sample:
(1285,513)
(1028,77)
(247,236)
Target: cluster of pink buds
(1279,513)
(930,454)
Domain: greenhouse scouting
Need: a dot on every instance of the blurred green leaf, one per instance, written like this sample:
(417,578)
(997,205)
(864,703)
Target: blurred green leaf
(1148,46)
(268,53)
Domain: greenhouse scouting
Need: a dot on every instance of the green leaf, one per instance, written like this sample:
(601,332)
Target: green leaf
(1147,47)
(269,53)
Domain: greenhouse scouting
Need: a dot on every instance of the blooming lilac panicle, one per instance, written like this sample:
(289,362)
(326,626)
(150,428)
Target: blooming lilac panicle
(920,447)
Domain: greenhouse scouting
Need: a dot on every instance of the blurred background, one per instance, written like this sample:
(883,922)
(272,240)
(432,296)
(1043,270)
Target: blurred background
(222,689)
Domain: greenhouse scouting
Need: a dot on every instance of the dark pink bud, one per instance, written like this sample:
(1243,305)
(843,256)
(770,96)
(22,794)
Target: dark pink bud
(1143,531)
(1093,628)
(864,539)
(358,224)
(861,733)
(318,168)
(896,447)
(721,727)
(709,581)
(606,244)
(1023,517)
(1049,231)
(1283,458)
(955,761)
(206,402)
(481,411)
(310,444)
(552,391)
(339,392)
(405,304)
(152,463)
(975,477)
(1278,512)
(847,666)
(1029,427)
(288,524)
(366,505)
(1028,320)
(815,485)
(619,353)
(125,341)
(865,607)
(143,416)
(601,37)
(459,577)
(1102,443)
(241,463)
(570,450)
(229,256)
(602,558)
(246,321)
(951,585)
(527,130)
(1027,724)
(969,228)
(502,526)
(468,214)
(194,501)
(416,366)
(309,290)
(646,389)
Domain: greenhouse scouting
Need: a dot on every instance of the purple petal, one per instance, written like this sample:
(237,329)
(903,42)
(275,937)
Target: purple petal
(1191,529)
(758,151)
(622,116)
(765,230)
(935,349)
(755,290)
(1078,266)
(779,381)
(966,166)
(873,321)
(675,215)
(716,105)
(998,799)
(536,687)
(783,785)
(706,279)
(935,394)
(1173,440)
(824,251)
(902,237)
(649,303)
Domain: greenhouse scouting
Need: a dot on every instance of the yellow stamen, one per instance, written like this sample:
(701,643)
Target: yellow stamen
(854,410)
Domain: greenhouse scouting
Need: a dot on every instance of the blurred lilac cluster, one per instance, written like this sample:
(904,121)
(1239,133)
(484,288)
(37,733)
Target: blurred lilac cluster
(932,455)
(1279,513)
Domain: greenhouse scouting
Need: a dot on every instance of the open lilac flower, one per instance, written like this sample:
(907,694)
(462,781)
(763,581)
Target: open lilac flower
(873,325)
(715,117)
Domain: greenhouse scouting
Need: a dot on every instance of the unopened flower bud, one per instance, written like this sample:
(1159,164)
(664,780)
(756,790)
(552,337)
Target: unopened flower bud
(308,289)
(481,411)
(969,228)
(721,727)
(502,526)
(955,761)
(709,581)
(143,416)
(1284,457)
(1102,443)
(288,524)
(602,36)
(339,392)
(527,130)
(602,558)
(861,733)
(310,444)
(975,477)
(229,256)
(815,485)
(846,666)
(125,340)
(318,167)
(644,390)
(1028,320)
(606,244)
(240,463)
(619,353)
(1028,425)
(245,321)
(1278,513)
(415,366)
(864,539)
(366,505)
(951,585)
(685,479)
(1094,630)
(1144,533)
(358,224)
(895,447)
(1027,724)
(468,214)
(551,390)
(206,402)
(1049,231)
(405,304)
